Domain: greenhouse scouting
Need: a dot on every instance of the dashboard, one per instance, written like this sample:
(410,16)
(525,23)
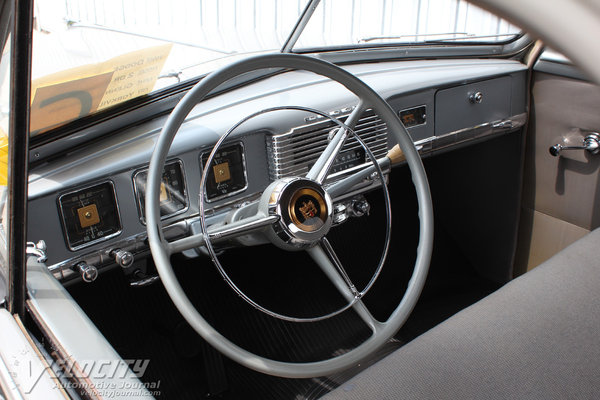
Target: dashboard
(88,205)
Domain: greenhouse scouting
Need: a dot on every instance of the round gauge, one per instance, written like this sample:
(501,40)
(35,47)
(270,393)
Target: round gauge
(172,190)
(90,215)
(227,174)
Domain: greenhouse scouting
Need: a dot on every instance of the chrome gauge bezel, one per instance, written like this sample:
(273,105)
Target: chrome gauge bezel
(244,168)
(95,241)
(138,193)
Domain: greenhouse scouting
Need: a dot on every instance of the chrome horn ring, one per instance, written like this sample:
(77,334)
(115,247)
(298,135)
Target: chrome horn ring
(289,232)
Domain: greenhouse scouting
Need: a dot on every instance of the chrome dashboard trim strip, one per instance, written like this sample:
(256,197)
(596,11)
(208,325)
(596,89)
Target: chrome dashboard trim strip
(462,136)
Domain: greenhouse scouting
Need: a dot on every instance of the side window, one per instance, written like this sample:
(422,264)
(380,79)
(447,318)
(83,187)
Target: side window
(4,132)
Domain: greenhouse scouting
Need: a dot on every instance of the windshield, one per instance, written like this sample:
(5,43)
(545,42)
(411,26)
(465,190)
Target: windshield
(341,23)
(90,56)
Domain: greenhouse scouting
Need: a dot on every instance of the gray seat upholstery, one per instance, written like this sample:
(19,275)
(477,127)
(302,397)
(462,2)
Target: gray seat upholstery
(537,337)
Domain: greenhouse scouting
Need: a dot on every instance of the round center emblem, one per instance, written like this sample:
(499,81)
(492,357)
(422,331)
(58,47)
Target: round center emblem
(308,210)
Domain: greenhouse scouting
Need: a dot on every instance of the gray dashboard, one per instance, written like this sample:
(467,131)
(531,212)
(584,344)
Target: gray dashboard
(457,101)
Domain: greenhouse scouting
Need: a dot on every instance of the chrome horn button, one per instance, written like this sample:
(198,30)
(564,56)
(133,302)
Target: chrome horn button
(304,209)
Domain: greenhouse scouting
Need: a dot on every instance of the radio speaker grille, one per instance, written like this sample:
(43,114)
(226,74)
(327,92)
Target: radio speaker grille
(294,152)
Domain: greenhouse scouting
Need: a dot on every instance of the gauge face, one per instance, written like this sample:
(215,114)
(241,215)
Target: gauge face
(172,198)
(90,215)
(227,174)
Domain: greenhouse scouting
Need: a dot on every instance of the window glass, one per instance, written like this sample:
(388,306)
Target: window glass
(91,55)
(362,22)
(4,131)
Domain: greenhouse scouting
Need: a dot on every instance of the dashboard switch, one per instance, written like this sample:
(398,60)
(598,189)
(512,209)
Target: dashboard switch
(361,207)
(88,273)
(340,213)
(122,258)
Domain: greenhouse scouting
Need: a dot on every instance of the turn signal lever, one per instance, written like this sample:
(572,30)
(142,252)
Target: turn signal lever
(591,143)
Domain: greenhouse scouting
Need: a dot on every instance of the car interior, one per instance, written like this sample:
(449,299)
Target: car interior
(394,222)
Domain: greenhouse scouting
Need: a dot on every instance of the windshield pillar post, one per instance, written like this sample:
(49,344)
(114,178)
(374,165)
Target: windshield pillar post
(18,154)
(300,25)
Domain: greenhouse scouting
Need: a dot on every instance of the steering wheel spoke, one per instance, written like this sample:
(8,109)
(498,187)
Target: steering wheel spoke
(344,185)
(324,255)
(320,169)
(189,242)
(221,233)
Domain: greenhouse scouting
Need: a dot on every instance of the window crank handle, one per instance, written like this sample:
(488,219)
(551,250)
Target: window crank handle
(591,143)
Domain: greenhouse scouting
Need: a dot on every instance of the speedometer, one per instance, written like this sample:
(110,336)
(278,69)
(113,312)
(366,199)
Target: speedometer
(172,198)
(90,215)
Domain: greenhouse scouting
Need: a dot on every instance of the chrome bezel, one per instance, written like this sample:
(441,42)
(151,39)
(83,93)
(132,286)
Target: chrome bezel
(100,240)
(138,193)
(241,143)
(290,233)
(411,108)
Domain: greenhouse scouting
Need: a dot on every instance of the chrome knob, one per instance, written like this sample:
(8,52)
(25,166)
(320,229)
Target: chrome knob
(360,208)
(591,143)
(88,273)
(340,213)
(476,98)
(123,258)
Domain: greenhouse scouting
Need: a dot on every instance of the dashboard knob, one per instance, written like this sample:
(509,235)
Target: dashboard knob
(476,98)
(123,258)
(361,207)
(88,273)
(339,213)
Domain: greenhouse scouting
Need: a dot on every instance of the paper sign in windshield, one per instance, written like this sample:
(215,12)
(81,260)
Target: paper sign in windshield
(75,93)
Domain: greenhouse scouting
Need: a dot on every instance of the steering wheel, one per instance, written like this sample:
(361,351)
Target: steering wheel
(278,216)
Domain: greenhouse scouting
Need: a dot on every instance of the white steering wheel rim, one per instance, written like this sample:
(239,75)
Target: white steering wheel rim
(158,244)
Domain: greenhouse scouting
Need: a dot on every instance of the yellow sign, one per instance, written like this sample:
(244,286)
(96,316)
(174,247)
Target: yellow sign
(53,105)
(67,95)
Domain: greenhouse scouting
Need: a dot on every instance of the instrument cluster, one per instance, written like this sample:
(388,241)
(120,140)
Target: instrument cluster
(91,215)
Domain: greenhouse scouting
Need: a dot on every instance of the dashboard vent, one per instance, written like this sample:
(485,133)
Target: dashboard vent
(294,152)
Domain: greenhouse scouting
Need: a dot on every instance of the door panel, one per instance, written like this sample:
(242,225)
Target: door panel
(561,194)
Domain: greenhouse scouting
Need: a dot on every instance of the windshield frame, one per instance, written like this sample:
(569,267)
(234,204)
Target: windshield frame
(21,13)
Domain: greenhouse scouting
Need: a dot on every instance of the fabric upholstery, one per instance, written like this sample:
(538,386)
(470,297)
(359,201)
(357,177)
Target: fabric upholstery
(538,337)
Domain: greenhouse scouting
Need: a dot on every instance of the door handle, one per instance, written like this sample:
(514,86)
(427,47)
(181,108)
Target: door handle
(591,143)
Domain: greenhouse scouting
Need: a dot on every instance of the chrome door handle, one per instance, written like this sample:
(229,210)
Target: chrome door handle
(591,143)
